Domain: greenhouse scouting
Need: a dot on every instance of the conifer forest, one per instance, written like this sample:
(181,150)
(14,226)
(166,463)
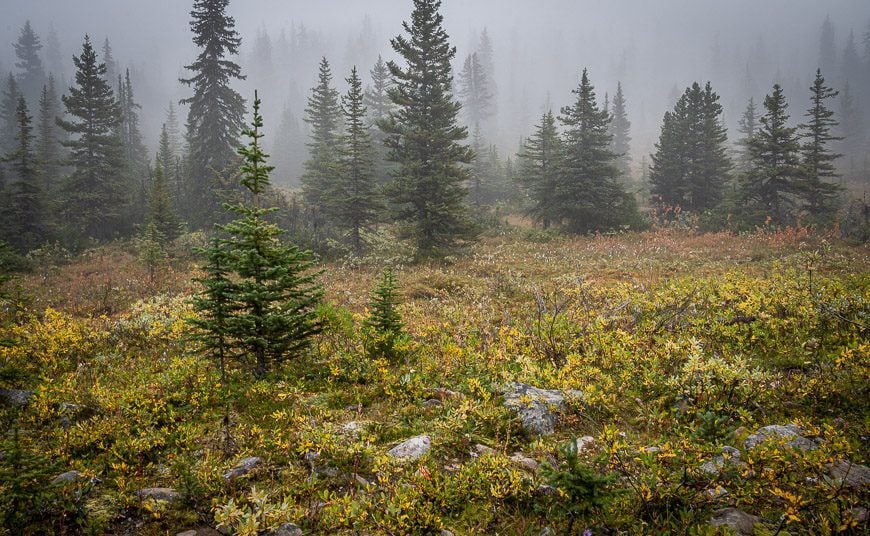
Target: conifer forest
(434,267)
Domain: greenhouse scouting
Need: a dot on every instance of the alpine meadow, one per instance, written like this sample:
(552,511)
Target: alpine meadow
(434,267)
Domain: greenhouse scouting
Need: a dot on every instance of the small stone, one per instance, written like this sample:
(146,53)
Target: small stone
(524,461)
(650,450)
(584,442)
(480,450)
(15,397)
(791,432)
(445,532)
(535,406)
(859,514)
(310,456)
(717,492)
(362,481)
(547,531)
(352,427)
(411,449)
(737,520)
(850,474)
(432,403)
(66,478)
(244,467)
(452,467)
(729,456)
(328,472)
(288,529)
(159,494)
(187,533)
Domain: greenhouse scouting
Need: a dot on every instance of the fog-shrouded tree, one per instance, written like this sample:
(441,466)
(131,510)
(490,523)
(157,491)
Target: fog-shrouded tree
(486,54)
(620,128)
(324,117)
(474,91)
(746,127)
(112,69)
(31,75)
(54,60)
(354,203)
(161,209)
(691,165)
(134,148)
(540,171)
(589,197)
(769,192)
(216,113)
(820,192)
(49,135)
(379,105)
(424,137)
(289,150)
(8,120)
(96,194)
(827,46)
(23,215)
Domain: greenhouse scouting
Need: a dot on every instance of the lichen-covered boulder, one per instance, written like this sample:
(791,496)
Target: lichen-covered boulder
(411,449)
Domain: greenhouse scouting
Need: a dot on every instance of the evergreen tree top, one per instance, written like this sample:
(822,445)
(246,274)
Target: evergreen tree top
(255,171)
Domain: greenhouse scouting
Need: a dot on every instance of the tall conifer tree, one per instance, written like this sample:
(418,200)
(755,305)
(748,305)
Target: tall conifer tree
(819,191)
(588,196)
(31,77)
(96,194)
(379,105)
(216,113)
(771,188)
(620,127)
(540,171)
(24,219)
(323,115)
(423,136)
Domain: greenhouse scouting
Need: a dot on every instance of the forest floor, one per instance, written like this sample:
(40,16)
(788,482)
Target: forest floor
(712,380)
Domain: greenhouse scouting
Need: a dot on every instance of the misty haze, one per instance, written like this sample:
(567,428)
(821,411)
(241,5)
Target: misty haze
(444,267)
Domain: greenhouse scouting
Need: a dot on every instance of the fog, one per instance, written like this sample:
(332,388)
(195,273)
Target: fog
(655,49)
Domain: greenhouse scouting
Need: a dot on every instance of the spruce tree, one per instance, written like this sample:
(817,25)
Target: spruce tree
(23,217)
(747,126)
(161,212)
(769,191)
(54,60)
(8,117)
(474,90)
(49,151)
(275,291)
(379,105)
(322,169)
(691,166)
(215,305)
(821,195)
(423,136)
(137,154)
(216,110)
(620,127)
(384,323)
(541,171)
(827,46)
(588,196)
(486,55)
(112,71)
(31,77)
(95,197)
(289,150)
(353,201)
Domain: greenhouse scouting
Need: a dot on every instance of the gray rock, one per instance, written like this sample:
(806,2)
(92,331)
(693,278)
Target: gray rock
(546,489)
(442,394)
(524,461)
(536,407)
(736,520)
(716,492)
(66,478)
(432,403)
(187,533)
(584,443)
(15,397)
(445,532)
(790,432)
(859,514)
(352,427)
(729,456)
(288,529)
(850,474)
(159,494)
(480,450)
(244,467)
(546,531)
(411,449)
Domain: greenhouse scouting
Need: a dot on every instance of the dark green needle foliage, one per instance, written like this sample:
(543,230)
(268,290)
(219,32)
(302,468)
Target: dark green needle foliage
(821,195)
(583,491)
(540,171)
(266,314)
(423,137)
(216,113)
(384,324)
